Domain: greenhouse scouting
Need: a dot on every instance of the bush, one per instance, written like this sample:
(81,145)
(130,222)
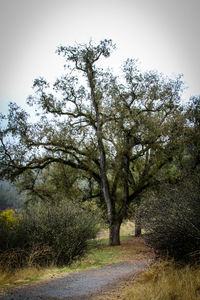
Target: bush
(48,233)
(172,219)
(8,224)
(7,218)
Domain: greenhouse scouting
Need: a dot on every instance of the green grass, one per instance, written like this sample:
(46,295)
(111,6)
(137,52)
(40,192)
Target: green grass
(99,255)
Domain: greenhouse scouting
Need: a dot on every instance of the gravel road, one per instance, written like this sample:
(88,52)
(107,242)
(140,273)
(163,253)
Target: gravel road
(78,285)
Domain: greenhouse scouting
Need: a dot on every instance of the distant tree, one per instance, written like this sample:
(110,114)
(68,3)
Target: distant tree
(193,131)
(9,196)
(52,184)
(119,132)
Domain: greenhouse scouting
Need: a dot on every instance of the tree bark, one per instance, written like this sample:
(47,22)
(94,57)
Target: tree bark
(138,228)
(114,233)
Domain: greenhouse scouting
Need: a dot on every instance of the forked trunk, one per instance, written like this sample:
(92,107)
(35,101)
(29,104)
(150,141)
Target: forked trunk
(114,234)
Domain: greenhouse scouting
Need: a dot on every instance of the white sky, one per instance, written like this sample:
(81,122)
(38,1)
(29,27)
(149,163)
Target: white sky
(162,34)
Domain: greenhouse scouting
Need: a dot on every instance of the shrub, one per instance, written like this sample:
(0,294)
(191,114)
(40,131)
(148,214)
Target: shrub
(172,219)
(8,223)
(7,218)
(49,233)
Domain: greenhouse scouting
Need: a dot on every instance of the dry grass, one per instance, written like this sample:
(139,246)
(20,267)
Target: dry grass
(127,228)
(25,275)
(165,281)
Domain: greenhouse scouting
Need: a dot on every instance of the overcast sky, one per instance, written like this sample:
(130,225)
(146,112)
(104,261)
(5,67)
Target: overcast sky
(162,34)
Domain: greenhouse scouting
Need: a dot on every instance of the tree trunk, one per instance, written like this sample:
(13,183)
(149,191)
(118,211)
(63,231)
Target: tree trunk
(138,228)
(114,233)
(103,174)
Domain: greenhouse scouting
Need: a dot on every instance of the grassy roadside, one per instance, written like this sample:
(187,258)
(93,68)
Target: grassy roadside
(165,281)
(100,254)
(162,281)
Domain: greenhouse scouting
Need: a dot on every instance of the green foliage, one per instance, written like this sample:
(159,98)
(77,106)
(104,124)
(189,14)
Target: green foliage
(48,234)
(193,132)
(9,223)
(54,183)
(8,219)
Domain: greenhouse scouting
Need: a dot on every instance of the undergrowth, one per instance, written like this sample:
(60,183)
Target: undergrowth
(99,254)
(44,234)
(166,281)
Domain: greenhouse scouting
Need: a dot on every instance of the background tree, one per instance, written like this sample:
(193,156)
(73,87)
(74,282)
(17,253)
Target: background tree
(193,135)
(54,183)
(9,196)
(121,132)
(172,215)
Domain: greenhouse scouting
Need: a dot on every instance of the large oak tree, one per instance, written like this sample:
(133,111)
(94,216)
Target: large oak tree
(120,131)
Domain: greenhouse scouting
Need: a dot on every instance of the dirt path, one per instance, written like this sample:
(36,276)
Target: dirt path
(78,285)
(102,283)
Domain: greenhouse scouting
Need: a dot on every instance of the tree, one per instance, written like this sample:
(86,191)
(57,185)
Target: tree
(119,132)
(53,184)
(9,196)
(193,116)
